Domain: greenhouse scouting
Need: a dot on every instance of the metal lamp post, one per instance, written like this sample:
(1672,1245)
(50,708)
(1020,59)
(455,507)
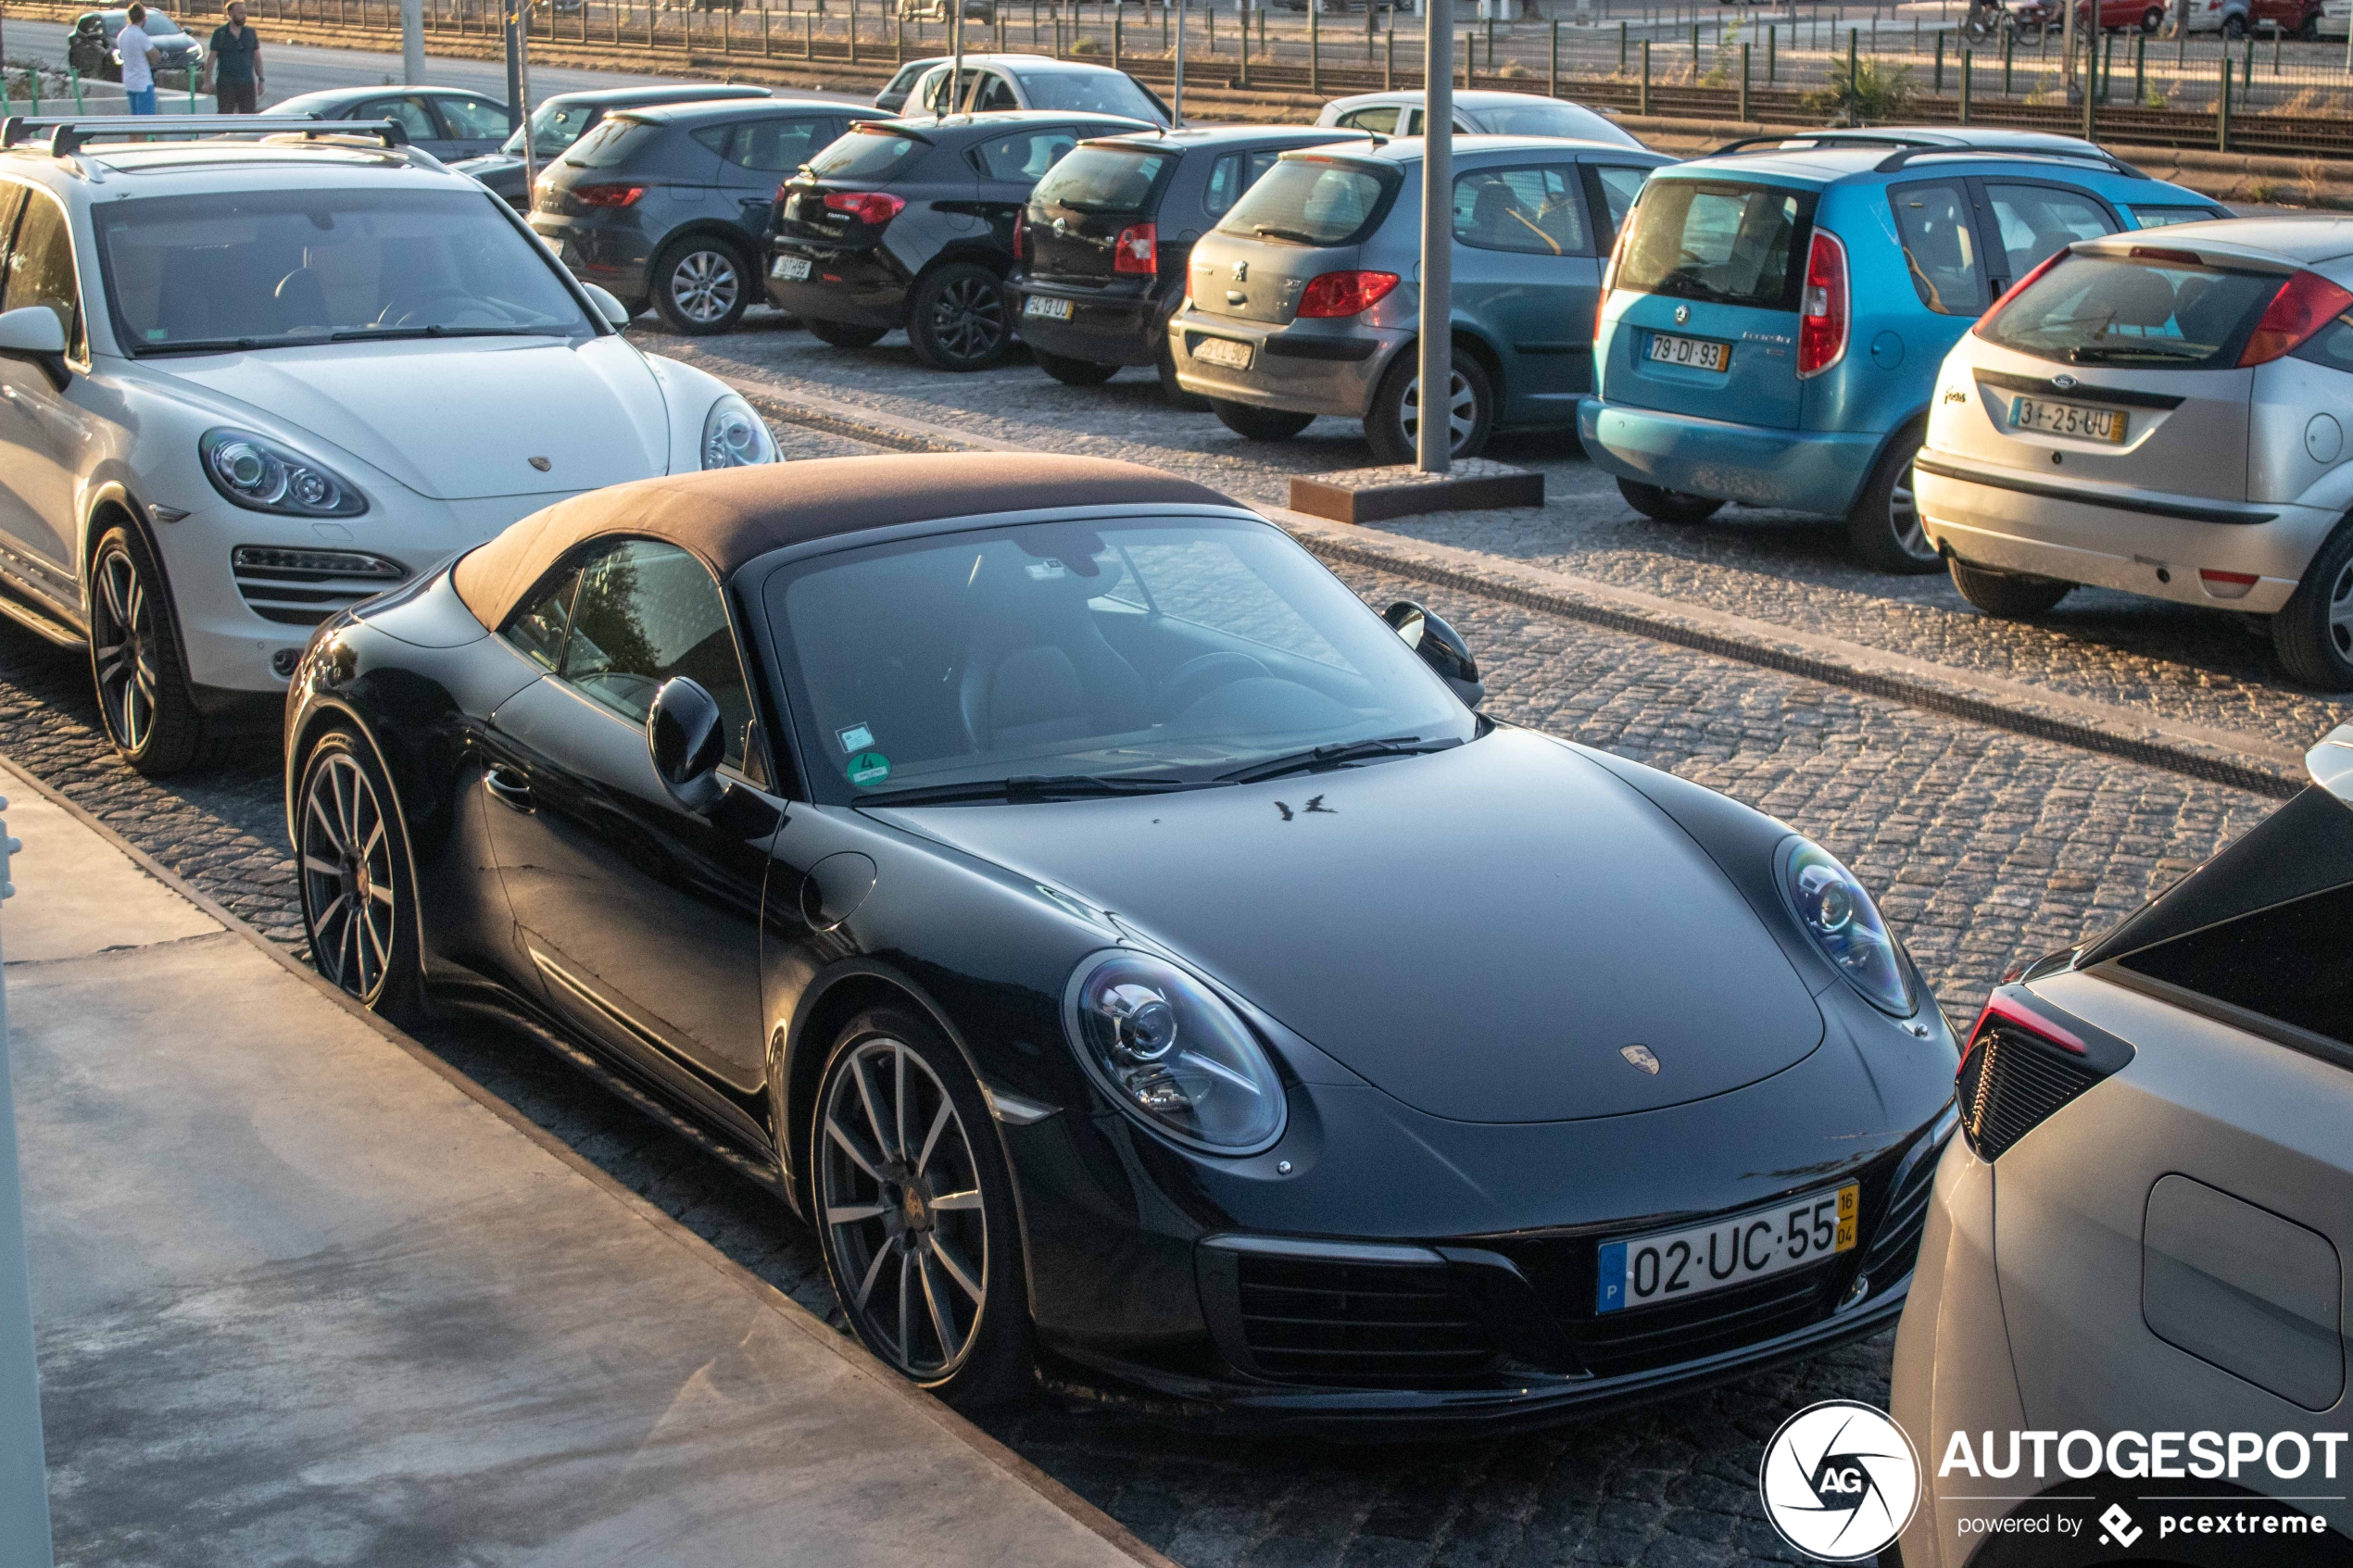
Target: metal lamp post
(412,41)
(24,1486)
(1433,445)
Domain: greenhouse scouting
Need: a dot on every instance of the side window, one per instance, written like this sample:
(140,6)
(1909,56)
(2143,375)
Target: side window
(1529,210)
(538,627)
(1382,122)
(1412,123)
(471,120)
(996,92)
(767,146)
(2037,221)
(1619,185)
(2166,217)
(11,201)
(1225,185)
(41,269)
(1023,156)
(1940,248)
(644,614)
(408,114)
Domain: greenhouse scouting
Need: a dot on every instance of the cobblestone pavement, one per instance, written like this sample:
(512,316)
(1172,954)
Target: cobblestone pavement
(1985,846)
(2168,661)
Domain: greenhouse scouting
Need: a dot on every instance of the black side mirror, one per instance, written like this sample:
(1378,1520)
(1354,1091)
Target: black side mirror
(1439,646)
(687,738)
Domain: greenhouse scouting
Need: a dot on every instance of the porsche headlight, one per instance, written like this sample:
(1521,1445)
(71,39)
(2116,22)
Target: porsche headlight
(1173,1054)
(1845,925)
(262,476)
(733,437)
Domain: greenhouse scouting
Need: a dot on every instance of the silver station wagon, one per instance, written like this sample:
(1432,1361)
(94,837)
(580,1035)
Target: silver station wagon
(2164,414)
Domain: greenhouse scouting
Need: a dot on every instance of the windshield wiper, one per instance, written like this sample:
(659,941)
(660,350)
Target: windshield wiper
(219,345)
(2095,354)
(378,334)
(1334,756)
(1059,786)
(1276,231)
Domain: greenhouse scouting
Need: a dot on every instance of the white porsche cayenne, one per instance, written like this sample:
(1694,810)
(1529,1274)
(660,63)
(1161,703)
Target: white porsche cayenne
(244,381)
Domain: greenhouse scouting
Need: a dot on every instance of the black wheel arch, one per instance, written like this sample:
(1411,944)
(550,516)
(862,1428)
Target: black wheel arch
(746,250)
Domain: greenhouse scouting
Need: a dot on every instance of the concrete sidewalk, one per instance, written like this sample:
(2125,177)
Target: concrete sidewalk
(302,1297)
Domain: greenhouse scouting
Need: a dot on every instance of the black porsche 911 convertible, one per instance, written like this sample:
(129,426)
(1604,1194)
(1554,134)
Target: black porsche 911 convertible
(1133,957)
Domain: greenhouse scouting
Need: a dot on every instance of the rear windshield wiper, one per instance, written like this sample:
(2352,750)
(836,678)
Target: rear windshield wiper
(1059,786)
(1296,236)
(2094,353)
(1335,757)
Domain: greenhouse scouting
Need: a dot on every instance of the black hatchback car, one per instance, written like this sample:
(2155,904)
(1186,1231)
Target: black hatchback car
(910,223)
(559,121)
(1102,245)
(668,206)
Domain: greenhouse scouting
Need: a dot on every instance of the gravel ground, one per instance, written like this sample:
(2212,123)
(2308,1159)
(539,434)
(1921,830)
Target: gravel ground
(2142,655)
(1986,847)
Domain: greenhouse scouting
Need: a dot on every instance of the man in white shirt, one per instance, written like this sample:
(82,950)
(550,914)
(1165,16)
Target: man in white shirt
(140,57)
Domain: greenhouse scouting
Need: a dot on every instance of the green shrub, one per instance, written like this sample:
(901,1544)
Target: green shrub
(1875,94)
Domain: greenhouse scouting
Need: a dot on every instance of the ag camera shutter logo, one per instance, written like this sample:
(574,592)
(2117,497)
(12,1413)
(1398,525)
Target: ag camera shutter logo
(1840,1481)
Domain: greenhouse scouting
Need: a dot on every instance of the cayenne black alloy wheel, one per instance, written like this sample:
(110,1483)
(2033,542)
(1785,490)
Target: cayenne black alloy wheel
(912,1202)
(956,319)
(353,876)
(134,660)
(699,288)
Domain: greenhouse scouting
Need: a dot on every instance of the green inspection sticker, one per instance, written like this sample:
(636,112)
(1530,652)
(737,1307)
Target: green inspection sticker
(868,767)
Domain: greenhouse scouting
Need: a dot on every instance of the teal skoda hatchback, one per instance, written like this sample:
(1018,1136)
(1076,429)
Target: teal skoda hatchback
(1774,313)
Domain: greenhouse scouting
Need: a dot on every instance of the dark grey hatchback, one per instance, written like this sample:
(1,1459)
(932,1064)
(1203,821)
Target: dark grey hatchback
(668,206)
(1103,246)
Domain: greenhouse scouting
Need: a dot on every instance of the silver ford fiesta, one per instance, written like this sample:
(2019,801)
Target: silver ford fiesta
(2165,415)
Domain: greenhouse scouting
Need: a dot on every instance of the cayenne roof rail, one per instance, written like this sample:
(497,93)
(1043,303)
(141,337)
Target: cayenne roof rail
(67,133)
(2085,154)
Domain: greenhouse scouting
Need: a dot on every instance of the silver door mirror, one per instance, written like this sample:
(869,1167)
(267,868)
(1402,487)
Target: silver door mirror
(2330,764)
(32,331)
(616,314)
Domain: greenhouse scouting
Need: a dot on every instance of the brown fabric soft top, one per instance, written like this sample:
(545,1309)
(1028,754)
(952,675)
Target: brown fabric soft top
(729,516)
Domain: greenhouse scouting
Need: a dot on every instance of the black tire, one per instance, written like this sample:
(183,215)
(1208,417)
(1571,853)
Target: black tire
(2152,19)
(359,908)
(844,335)
(2312,633)
(2007,596)
(144,699)
(1884,522)
(1072,373)
(701,284)
(2308,29)
(920,1314)
(2235,27)
(1254,423)
(1667,506)
(957,317)
(1471,411)
(1173,391)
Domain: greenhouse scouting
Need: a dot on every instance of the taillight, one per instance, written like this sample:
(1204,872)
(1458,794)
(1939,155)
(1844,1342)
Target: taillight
(1609,273)
(2022,1064)
(2016,289)
(1137,250)
(874,207)
(2306,304)
(1345,293)
(606,195)
(1821,331)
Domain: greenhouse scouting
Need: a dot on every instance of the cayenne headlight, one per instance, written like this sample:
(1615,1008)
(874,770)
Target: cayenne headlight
(1845,925)
(262,476)
(1173,1055)
(733,437)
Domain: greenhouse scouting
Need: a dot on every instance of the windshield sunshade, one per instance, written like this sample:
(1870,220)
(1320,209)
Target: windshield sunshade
(249,270)
(1089,659)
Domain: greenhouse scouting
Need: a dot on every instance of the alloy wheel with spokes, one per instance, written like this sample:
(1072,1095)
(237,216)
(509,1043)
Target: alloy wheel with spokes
(1884,525)
(122,645)
(900,1203)
(2312,633)
(350,892)
(702,289)
(1393,422)
(956,320)
(1462,412)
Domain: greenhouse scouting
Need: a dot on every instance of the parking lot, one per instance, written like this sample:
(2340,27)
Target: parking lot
(1988,843)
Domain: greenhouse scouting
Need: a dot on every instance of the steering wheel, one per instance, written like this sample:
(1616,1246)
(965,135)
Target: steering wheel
(1196,677)
(409,309)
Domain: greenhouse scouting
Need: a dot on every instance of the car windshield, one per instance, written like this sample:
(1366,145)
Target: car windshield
(1127,650)
(263,269)
(555,125)
(867,154)
(1087,92)
(1313,201)
(157,25)
(1104,180)
(2091,309)
(1730,244)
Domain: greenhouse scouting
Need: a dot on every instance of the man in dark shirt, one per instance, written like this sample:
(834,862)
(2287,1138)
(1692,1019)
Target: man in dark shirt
(235,63)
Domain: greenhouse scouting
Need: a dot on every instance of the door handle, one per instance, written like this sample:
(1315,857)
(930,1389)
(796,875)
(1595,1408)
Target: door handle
(507,787)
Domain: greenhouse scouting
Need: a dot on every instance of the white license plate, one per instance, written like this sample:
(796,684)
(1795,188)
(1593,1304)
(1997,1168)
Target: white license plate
(792,268)
(1669,349)
(1222,351)
(2068,419)
(1051,309)
(1645,1271)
